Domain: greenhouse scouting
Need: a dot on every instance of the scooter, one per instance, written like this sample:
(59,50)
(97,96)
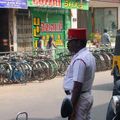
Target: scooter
(116,107)
(113,111)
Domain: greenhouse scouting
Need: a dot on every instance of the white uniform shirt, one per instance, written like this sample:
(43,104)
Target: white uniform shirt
(81,69)
(105,39)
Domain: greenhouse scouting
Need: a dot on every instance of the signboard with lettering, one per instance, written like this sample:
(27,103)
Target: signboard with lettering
(21,4)
(44,3)
(53,27)
(46,30)
(75,4)
(48,23)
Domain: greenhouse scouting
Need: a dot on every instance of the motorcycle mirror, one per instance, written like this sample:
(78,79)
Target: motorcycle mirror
(116,103)
(21,115)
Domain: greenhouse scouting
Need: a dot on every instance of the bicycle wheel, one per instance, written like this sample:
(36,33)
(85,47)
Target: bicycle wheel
(26,69)
(6,70)
(40,72)
(53,68)
(18,75)
(45,70)
(35,71)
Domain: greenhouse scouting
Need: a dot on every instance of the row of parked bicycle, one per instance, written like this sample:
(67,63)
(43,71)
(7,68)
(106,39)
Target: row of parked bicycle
(22,68)
(104,57)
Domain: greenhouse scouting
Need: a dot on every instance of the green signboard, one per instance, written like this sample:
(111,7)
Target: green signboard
(66,4)
(75,4)
(47,24)
(45,3)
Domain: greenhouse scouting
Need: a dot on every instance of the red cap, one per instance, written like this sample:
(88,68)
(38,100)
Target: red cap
(79,34)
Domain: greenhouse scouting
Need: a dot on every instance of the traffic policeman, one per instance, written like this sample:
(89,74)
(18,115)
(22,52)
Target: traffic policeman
(79,76)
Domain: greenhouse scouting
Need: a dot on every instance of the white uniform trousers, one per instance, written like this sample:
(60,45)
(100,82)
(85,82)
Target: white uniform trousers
(83,109)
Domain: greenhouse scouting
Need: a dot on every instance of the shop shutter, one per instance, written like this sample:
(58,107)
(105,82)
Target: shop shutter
(24,31)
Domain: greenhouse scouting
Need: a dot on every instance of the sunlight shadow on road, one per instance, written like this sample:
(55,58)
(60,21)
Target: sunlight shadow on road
(99,112)
(104,87)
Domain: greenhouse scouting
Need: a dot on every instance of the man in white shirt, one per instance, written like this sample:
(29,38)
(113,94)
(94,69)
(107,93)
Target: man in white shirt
(105,39)
(79,76)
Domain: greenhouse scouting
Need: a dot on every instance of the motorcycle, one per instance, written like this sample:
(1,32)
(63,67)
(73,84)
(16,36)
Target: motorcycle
(116,107)
(113,111)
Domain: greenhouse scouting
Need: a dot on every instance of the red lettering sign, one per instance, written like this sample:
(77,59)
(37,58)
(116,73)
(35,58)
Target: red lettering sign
(49,3)
(54,27)
(58,3)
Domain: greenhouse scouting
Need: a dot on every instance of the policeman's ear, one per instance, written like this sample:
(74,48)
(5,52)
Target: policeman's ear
(78,44)
(83,43)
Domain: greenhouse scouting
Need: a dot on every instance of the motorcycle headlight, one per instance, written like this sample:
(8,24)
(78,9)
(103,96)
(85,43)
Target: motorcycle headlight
(116,104)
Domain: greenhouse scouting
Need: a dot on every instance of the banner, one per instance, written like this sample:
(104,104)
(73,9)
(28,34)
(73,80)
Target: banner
(21,4)
(44,3)
(75,4)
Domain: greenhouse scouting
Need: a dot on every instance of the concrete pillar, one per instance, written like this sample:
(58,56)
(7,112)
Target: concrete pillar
(119,17)
(74,18)
(14,30)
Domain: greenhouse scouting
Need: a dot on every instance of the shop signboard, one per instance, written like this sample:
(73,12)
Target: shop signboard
(47,24)
(52,28)
(21,4)
(44,3)
(75,4)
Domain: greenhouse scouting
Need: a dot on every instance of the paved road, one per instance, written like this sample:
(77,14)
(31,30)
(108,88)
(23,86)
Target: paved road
(43,100)
(102,90)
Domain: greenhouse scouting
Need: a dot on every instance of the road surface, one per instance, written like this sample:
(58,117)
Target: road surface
(42,100)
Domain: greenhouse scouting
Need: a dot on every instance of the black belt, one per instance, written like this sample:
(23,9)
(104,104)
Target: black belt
(68,92)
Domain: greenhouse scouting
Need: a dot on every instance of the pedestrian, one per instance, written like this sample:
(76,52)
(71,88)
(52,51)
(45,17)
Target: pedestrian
(50,43)
(105,39)
(115,72)
(50,47)
(40,43)
(79,76)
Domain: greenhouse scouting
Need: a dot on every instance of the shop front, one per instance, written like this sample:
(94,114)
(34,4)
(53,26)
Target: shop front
(80,12)
(49,19)
(24,30)
(105,15)
(106,18)
(50,22)
(7,23)
(4,32)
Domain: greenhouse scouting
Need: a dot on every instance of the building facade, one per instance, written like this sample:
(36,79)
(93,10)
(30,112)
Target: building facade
(50,22)
(105,14)
(53,18)
(24,21)
(8,23)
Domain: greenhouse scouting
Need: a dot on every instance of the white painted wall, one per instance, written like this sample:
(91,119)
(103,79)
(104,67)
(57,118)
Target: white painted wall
(106,4)
(103,4)
(74,18)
